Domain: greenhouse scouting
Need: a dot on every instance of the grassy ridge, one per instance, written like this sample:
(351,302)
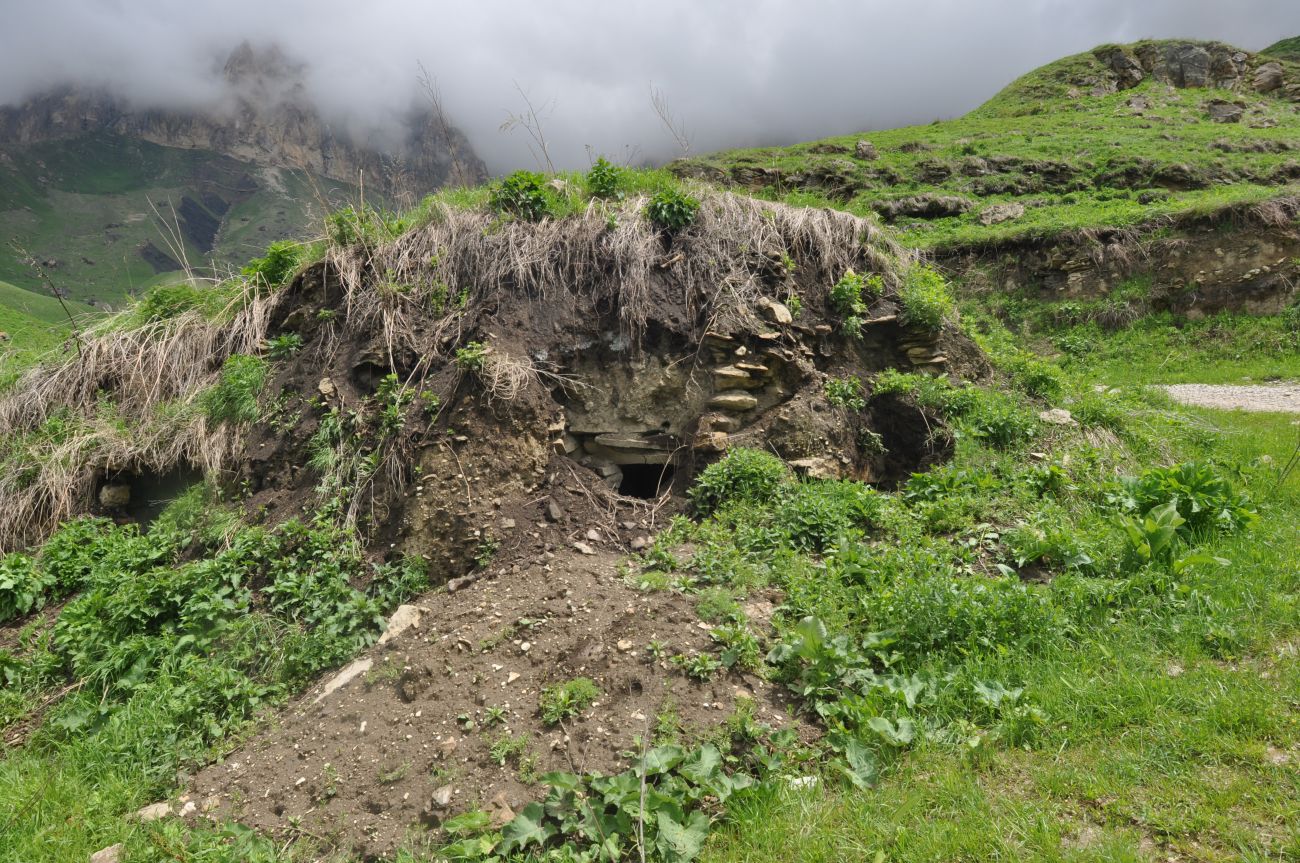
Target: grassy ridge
(1286,49)
(34,323)
(1072,159)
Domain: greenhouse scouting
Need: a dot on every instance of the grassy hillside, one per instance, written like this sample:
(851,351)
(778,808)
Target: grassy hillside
(1058,142)
(1287,49)
(33,323)
(112,213)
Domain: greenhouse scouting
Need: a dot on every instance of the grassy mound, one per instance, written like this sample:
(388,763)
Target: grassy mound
(1286,49)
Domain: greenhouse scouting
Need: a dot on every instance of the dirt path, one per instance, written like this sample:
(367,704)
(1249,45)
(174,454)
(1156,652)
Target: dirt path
(1277,398)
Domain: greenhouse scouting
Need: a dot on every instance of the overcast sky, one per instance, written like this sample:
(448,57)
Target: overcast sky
(736,73)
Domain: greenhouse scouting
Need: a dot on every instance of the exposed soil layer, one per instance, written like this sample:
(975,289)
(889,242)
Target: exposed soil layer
(1272,398)
(365,766)
(1244,259)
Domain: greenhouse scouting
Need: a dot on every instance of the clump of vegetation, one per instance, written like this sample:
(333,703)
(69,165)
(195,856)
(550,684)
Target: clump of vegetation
(522,195)
(281,261)
(849,299)
(742,475)
(234,398)
(672,210)
(604,179)
(562,701)
(846,393)
(925,299)
(472,356)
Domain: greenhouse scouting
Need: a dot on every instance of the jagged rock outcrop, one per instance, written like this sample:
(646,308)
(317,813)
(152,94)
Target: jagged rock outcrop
(1193,64)
(266,118)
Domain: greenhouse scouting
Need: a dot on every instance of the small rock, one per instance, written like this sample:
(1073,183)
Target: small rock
(525,647)
(441,798)
(1001,213)
(352,671)
(1269,77)
(1221,111)
(499,810)
(733,402)
(512,677)
(865,150)
(624,645)
(111,854)
(594,535)
(188,809)
(406,617)
(114,495)
(1057,417)
(326,387)
(640,543)
(153,812)
(584,548)
(553,511)
(779,313)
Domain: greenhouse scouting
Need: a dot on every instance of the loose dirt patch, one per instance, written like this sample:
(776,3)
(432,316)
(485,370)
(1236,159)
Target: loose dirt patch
(402,746)
(1270,398)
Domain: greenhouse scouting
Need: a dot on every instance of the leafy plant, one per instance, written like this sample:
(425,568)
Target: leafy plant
(23,586)
(672,210)
(848,299)
(742,474)
(283,346)
(846,393)
(282,259)
(566,700)
(925,299)
(472,356)
(522,195)
(603,180)
(234,398)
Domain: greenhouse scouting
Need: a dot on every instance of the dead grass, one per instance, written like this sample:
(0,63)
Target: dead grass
(127,403)
(609,252)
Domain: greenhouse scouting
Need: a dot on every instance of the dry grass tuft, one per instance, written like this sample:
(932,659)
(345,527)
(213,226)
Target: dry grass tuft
(127,403)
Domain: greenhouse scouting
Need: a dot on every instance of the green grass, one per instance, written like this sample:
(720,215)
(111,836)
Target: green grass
(1073,161)
(35,324)
(1286,49)
(1154,745)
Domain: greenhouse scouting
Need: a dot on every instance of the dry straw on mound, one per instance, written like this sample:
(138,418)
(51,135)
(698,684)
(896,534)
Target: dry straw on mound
(610,252)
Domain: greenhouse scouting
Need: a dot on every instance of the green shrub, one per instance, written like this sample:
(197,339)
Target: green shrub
(603,180)
(280,262)
(846,393)
(999,421)
(848,300)
(471,357)
(566,700)
(1203,499)
(925,299)
(283,346)
(71,553)
(23,586)
(672,210)
(234,398)
(522,195)
(165,302)
(742,475)
(815,515)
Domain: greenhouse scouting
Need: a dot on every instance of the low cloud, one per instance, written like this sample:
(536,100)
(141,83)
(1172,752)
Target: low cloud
(735,74)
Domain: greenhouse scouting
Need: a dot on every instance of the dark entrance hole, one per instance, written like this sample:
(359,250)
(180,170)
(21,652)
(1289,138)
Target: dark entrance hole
(646,481)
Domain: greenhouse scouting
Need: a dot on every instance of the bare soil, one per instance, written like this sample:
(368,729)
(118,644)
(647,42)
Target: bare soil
(363,767)
(1271,398)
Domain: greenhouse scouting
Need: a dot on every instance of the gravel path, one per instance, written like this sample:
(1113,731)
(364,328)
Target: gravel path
(1278,398)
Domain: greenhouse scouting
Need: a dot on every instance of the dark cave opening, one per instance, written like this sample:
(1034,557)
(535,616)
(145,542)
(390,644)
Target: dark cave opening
(646,481)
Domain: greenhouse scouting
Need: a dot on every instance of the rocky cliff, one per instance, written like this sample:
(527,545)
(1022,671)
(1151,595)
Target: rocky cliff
(264,118)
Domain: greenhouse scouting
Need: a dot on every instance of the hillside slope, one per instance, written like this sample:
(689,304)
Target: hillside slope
(1286,49)
(1065,178)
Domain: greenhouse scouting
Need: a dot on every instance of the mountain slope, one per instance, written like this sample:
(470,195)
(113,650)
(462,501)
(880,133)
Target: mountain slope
(109,195)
